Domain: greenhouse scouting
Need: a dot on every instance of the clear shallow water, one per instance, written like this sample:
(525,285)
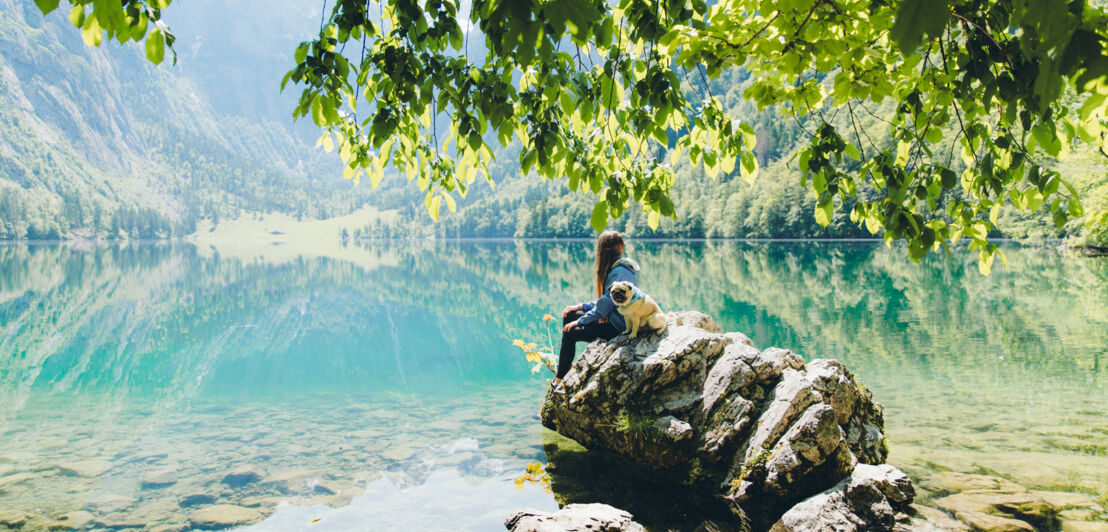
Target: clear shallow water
(382,387)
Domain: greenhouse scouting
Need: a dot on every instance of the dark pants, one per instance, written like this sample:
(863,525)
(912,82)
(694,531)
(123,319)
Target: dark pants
(580,333)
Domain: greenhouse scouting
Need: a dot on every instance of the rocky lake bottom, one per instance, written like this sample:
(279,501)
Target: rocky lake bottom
(145,469)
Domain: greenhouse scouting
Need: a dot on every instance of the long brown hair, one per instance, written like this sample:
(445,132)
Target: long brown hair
(609,246)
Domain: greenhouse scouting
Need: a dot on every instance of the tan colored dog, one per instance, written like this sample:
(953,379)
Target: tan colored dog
(638,308)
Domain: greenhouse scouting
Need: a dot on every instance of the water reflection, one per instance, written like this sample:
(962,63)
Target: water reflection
(126,360)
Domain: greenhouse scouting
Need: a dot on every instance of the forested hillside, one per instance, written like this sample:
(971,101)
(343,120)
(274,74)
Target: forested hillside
(97,142)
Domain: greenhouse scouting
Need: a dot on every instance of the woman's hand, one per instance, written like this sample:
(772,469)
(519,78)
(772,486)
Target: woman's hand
(570,309)
(569,326)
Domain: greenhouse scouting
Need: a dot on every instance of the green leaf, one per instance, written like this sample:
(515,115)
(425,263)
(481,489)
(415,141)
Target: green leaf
(852,152)
(750,167)
(329,111)
(1047,137)
(824,210)
(317,112)
(77,15)
(91,32)
(727,164)
(433,207)
(138,31)
(155,46)
(805,154)
(652,220)
(985,261)
(917,249)
(599,219)
(914,18)
(46,6)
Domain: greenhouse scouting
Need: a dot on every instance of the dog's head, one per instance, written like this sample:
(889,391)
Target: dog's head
(622,292)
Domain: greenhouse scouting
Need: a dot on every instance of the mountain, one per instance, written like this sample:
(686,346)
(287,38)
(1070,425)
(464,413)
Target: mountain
(99,142)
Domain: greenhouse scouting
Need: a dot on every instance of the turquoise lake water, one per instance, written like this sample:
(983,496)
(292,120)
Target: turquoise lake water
(381,390)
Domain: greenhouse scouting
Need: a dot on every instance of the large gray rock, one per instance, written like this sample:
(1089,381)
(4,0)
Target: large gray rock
(574,518)
(870,499)
(761,429)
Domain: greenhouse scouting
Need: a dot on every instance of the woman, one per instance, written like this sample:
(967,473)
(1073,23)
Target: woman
(597,319)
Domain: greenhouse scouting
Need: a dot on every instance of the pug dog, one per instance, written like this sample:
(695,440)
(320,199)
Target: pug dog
(638,308)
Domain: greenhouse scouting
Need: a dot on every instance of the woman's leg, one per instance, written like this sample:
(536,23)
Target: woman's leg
(569,345)
(581,333)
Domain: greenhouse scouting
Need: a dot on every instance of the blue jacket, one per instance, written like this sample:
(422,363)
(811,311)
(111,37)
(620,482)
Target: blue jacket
(625,269)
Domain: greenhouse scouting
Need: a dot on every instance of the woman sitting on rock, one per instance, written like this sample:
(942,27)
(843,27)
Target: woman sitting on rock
(597,319)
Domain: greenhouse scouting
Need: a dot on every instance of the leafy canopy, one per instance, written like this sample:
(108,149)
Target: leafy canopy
(609,96)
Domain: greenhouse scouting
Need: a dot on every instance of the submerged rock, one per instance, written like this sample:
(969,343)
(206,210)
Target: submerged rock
(986,502)
(242,476)
(12,518)
(75,520)
(159,479)
(933,520)
(1001,510)
(83,468)
(109,502)
(223,516)
(574,517)
(6,482)
(706,407)
(196,499)
(17,520)
(761,429)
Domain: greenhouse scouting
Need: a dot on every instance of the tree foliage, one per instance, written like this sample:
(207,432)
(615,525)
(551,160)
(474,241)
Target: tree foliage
(597,93)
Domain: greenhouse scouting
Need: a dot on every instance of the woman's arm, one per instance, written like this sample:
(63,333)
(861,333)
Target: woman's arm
(604,306)
(595,311)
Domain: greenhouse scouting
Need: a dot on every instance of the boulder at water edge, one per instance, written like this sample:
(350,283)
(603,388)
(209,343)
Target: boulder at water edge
(760,429)
(872,498)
